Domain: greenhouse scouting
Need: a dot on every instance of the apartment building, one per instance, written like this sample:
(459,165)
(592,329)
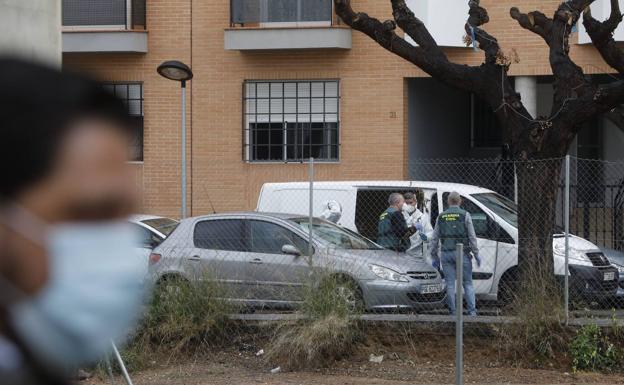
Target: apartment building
(279,81)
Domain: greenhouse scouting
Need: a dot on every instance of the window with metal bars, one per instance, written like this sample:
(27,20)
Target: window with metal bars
(132,96)
(291,121)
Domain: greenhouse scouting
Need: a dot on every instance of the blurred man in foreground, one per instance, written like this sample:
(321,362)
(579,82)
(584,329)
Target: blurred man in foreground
(68,282)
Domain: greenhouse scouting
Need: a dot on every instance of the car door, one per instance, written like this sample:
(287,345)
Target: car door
(221,255)
(277,276)
(487,241)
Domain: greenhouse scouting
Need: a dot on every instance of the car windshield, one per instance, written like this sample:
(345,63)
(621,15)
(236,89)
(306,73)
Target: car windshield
(501,206)
(163,225)
(336,235)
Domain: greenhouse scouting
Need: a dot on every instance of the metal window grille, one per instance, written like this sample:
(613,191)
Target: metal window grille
(291,121)
(132,96)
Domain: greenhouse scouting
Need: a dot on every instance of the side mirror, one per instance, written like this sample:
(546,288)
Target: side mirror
(291,250)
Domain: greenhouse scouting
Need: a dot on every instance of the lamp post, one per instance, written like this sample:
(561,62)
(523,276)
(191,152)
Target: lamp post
(180,72)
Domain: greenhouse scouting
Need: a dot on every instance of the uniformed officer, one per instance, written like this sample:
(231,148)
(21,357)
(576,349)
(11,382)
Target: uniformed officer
(455,226)
(392,230)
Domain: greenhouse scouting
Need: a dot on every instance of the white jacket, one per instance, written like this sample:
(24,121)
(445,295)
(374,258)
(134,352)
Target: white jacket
(412,220)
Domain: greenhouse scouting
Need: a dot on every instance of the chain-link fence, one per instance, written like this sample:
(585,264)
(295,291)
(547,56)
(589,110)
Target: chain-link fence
(329,261)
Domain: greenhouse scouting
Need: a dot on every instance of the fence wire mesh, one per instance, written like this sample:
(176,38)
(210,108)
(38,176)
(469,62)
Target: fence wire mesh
(329,263)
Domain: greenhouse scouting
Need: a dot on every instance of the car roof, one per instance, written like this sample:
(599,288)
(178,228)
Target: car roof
(465,188)
(145,217)
(250,214)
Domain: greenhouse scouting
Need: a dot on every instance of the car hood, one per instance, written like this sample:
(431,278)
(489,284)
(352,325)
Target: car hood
(399,262)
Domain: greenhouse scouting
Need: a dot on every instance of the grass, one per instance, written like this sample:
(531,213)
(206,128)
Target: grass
(328,333)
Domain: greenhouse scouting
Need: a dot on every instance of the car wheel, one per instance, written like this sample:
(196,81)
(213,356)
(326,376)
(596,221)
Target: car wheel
(348,290)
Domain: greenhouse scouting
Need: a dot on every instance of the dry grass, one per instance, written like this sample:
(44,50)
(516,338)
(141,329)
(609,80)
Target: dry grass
(313,344)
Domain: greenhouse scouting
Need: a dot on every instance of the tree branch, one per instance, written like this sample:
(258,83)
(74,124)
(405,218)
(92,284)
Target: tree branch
(437,65)
(601,34)
(414,27)
(478,16)
(535,22)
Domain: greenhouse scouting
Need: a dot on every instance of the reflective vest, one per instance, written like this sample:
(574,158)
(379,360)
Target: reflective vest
(452,228)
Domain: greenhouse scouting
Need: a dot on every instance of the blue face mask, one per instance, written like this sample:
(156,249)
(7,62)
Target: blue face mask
(94,294)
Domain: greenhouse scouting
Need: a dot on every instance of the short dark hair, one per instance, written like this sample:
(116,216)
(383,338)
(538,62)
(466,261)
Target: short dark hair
(38,105)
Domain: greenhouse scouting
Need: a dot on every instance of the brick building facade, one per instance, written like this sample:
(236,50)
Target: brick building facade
(372,122)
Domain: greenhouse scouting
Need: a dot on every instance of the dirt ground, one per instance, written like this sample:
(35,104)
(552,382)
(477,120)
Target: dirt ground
(244,368)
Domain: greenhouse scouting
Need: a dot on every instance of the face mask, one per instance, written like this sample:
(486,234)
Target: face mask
(94,293)
(409,208)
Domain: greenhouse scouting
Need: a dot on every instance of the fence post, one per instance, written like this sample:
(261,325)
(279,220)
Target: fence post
(459,312)
(311,208)
(566,281)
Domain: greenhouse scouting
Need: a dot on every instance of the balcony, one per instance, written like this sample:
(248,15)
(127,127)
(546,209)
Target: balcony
(96,26)
(284,24)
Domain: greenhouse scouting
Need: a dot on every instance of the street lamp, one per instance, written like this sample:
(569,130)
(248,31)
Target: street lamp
(180,72)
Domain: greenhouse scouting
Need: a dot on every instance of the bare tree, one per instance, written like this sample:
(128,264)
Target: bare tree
(576,98)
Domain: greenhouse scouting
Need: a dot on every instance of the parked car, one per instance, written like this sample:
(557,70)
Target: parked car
(495,220)
(617,259)
(153,230)
(261,260)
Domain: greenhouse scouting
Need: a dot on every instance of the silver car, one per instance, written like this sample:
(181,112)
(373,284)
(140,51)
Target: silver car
(261,260)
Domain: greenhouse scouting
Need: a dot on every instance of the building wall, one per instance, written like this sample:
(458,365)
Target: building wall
(373,106)
(31,30)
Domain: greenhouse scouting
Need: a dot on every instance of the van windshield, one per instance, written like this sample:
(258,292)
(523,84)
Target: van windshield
(501,206)
(336,235)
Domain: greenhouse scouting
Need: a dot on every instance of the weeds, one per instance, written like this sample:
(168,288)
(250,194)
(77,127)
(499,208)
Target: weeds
(328,332)
(592,350)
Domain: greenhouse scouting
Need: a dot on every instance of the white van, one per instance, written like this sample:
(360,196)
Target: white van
(495,220)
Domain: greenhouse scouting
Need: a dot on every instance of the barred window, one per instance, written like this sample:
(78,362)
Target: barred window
(291,121)
(132,96)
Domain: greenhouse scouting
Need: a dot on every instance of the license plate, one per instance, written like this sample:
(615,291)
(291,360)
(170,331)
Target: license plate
(610,276)
(429,289)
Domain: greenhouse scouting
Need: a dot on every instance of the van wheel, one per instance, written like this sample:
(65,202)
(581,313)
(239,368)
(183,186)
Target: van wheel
(508,288)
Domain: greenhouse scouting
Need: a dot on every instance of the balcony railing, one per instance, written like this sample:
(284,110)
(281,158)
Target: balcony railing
(276,13)
(104,14)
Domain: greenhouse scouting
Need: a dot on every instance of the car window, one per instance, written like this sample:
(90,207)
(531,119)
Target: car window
(220,234)
(148,238)
(336,235)
(164,225)
(269,238)
(479,217)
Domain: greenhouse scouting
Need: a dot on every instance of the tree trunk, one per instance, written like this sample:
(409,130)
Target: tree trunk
(538,186)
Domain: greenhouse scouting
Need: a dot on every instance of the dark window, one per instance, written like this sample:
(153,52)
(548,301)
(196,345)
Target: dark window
(280,11)
(104,14)
(487,131)
(268,238)
(291,121)
(225,234)
(132,96)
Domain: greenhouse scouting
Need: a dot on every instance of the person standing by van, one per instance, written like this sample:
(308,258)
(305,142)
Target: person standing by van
(455,226)
(419,221)
(392,231)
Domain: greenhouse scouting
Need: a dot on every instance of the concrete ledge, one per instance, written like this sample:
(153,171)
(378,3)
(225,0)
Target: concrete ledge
(254,39)
(104,41)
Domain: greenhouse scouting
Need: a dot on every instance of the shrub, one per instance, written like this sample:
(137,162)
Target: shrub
(591,350)
(313,344)
(328,332)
